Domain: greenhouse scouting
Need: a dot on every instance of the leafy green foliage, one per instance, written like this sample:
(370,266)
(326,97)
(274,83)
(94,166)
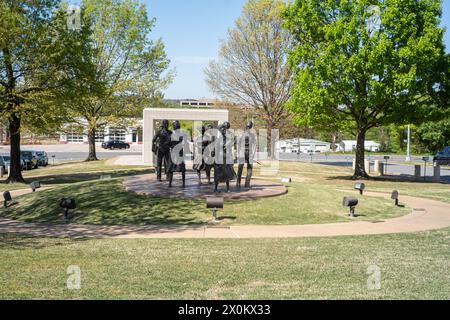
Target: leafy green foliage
(434,136)
(121,70)
(353,78)
(33,47)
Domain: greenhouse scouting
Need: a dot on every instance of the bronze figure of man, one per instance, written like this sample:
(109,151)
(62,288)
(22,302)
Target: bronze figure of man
(224,162)
(161,148)
(178,141)
(200,145)
(246,154)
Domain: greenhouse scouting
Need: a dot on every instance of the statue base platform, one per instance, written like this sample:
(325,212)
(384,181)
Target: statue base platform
(148,185)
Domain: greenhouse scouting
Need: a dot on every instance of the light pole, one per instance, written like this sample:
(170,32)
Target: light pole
(408,145)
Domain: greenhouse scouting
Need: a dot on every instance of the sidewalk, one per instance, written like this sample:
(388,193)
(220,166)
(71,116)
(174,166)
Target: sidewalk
(426,215)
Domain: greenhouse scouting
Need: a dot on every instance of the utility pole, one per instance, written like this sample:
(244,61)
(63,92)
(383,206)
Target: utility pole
(408,146)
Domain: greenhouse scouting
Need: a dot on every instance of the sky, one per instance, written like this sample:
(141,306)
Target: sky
(192,30)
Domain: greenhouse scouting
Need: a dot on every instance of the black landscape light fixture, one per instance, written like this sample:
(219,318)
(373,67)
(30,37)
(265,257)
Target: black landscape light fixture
(67,204)
(394,196)
(6,198)
(425,159)
(214,203)
(350,202)
(360,186)
(35,185)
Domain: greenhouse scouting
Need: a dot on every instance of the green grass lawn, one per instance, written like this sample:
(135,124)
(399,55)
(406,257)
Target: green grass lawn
(340,178)
(413,266)
(107,202)
(72,172)
(313,197)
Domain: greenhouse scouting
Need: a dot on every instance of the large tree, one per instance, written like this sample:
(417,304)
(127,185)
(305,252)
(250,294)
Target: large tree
(252,68)
(361,64)
(125,68)
(33,40)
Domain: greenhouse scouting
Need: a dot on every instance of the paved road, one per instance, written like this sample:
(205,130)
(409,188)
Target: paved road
(68,152)
(394,165)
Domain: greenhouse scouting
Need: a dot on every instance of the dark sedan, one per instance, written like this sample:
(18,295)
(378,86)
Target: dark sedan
(442,157)
(42,158)
(115,145)
(6,160)
(30,158)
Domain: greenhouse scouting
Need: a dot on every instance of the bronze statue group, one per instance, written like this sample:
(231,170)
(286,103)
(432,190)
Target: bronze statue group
(215,149)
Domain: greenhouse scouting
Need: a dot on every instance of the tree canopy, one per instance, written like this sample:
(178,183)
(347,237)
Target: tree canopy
(122,69)
(361,64)
(33,46)
(252,68)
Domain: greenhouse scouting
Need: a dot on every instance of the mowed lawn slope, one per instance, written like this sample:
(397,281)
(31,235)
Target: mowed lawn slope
(412,266)
(108,203)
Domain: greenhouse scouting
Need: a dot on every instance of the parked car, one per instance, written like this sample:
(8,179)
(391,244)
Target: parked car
(2,164)
(115,145)
(6,159)
(442,157)
(42,158)
(30,158)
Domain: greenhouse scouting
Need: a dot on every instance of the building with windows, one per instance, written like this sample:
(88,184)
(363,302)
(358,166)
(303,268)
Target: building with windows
(194,103)
(350,145)
(131,134)
(302,145)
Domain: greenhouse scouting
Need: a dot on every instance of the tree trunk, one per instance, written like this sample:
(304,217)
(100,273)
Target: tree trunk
(91,140)
(360,171)
(15,172)
(333,142)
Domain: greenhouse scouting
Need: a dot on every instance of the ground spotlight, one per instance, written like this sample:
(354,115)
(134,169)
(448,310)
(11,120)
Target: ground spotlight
(67,204)
(360,186)
(6,198)
(351,203)
(394,196)
(214,203)
(35,185)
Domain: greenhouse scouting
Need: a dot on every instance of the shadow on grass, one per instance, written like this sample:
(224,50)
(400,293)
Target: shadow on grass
(89,176)
(106,203)
(22,242)
(58,179)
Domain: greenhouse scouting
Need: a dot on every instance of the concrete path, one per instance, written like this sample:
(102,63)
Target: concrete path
(426,215)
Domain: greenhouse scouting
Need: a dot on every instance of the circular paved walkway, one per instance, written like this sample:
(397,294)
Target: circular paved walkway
(426,215)
(148,185)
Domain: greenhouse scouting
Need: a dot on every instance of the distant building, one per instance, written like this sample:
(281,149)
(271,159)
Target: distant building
(350,145)
(131,134)
(303,145)
(196,103)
